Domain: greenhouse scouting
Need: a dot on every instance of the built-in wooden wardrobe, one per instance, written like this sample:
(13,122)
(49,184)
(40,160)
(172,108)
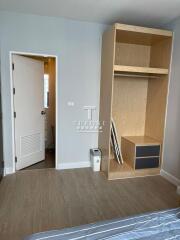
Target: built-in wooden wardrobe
(134,89)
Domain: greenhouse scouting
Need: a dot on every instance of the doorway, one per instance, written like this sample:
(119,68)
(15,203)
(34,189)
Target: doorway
(34,101)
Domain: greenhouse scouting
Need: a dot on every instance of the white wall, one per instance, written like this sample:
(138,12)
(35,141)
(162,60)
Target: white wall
(171,164)
(78,47)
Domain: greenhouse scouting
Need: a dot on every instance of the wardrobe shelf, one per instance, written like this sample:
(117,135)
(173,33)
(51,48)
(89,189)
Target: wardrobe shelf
(142,140)
(143,70)
(118,171)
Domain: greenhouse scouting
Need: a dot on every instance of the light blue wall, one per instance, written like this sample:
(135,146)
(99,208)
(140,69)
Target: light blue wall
(171,162)
(78,47)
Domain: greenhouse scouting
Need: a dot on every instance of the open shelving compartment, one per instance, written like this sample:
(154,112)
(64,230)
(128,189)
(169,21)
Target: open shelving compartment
(137,61)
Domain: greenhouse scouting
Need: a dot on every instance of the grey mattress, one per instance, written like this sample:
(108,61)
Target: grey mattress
(153,226)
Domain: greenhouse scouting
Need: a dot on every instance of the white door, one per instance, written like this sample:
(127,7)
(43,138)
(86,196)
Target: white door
(29,111)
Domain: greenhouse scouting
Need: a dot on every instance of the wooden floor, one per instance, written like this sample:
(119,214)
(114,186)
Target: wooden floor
(49,161)
(39,200)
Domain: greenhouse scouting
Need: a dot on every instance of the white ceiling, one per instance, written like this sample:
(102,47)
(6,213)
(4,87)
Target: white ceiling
(142,12)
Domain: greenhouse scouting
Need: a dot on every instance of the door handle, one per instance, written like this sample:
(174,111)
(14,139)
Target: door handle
(43,113)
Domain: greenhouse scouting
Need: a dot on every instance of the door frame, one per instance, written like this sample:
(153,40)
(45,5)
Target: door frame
(11,53)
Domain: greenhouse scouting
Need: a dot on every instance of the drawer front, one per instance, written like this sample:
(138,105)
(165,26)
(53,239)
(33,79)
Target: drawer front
(145,151)
(144,163)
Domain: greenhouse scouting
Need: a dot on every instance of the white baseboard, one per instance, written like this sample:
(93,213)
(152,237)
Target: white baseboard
(170,178)
(8,170)
(73,165)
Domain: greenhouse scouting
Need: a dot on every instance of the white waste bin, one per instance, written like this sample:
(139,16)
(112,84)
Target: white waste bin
(95,158)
